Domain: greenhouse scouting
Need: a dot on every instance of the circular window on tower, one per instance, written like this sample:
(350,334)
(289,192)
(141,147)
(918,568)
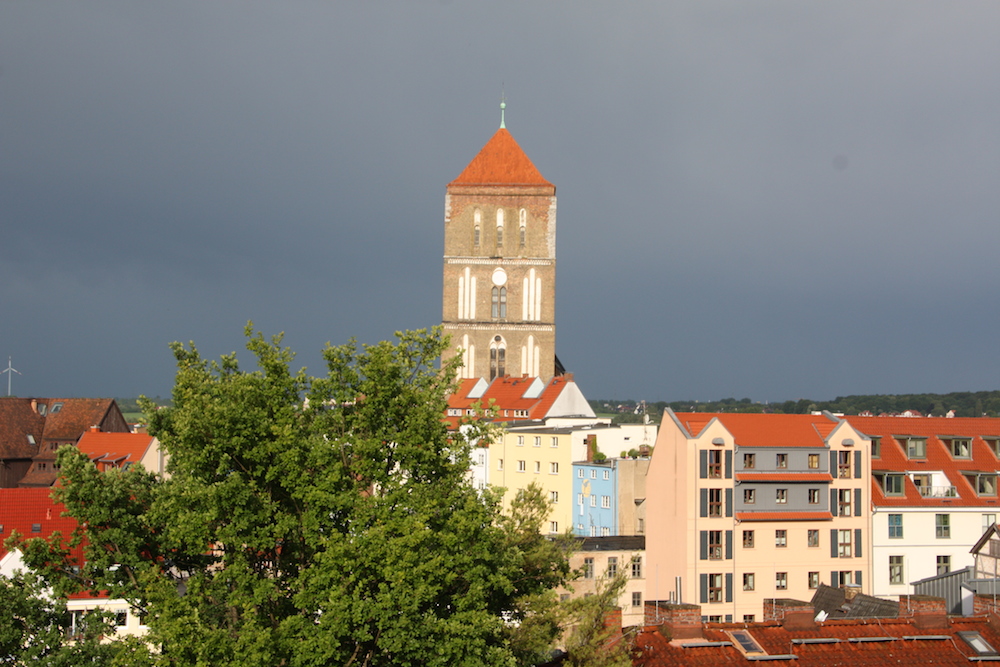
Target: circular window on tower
(499,277)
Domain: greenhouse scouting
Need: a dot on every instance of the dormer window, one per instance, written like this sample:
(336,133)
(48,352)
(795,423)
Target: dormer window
(876,448)
(56,407)
(993,442)
(915,447)
(986,484)
(960,448)
(894,485)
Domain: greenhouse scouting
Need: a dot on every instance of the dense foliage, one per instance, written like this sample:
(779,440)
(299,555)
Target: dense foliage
(312,521)
(964,403)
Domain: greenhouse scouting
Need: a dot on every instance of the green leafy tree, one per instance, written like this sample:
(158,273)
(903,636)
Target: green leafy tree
(310,521)
(591,641)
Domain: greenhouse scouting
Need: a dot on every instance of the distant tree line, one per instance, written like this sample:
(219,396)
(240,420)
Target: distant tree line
(964,403)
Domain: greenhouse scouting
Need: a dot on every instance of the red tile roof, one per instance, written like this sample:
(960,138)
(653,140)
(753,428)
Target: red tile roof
(21,509)
(765,430)
(893,457)
(902,646)
(115,448)
(501,162)
(75,416)
(17,421)
(783,516)
(507,395)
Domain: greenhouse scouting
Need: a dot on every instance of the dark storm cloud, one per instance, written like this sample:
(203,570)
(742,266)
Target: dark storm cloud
(765,199)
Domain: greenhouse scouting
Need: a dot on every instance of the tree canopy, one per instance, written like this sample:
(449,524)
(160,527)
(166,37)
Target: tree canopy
(310,520)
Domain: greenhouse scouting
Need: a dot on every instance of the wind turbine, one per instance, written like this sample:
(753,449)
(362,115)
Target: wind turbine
(10,370)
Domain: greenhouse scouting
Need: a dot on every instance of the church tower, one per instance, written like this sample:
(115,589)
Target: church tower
(500,264)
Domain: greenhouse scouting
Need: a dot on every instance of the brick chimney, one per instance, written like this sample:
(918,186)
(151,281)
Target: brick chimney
(677,621)
(791,614)
(591,447)
(928,612)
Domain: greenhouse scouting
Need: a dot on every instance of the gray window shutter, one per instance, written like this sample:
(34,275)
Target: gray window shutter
(729,544)
(857,543)
(833,464)
(833,502)
(729,586)
(857,577)
(704,544)
(703,463)
(729,502)
(857,465)
(729,464)
(833,543)
(704,502)
(834,579)
(857,502)
(704,587)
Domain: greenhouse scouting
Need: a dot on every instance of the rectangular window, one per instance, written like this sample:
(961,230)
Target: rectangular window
(916,448)
(993,443)
(876,448)
(894,485)
(607,474)
(896,526)
(593,500)
(715,464)
(522,466)
(538,441)
(715,545)
(606,502)
(36,527)
(942,526)
(605,531)
(748,584)
(554,468)
(715,588)
(943,564)
(588,568)
(813,538)
(579,473)
(612,566)
(749,496)
(640,526)
(749,461)
(813,461)
(555,441)
(781,581)
(520,441)
(781,461)
(636,567)
(715,502)
(895,569)
(843,544)
(748,618)
(121,619)
(813,580)
(748,539)
(986,484)
(846,577)
(844,465)
(593,474)
(553,526)
(553,496)
(781,538)
(961,448)
(538,466)
(499,464)
(781,496)
(636,599)
(988,521)
(814,496)
(844,501)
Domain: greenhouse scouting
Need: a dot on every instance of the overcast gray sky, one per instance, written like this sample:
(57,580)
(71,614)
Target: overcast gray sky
(774,200)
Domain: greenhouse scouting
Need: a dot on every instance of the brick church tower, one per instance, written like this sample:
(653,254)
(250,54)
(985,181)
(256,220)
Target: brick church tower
(500,264)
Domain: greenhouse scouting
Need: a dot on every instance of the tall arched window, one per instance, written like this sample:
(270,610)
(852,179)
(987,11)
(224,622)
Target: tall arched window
(499,226)
(499,303)
(498,358)
(523,225)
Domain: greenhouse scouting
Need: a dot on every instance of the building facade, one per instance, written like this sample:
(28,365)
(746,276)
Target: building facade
(746,507)
(500,264)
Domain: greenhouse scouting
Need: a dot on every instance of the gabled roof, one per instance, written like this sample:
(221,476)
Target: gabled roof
(22,509)
(501,162)
(116,448)
(893,458)
(74,417)
(524,397)
(764,430)
(17,421)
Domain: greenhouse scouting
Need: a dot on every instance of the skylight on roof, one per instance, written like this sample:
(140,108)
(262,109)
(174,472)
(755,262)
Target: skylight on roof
(978,644)
(745,641)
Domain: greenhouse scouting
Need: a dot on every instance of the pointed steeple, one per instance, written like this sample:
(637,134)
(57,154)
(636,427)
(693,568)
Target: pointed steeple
(501,162)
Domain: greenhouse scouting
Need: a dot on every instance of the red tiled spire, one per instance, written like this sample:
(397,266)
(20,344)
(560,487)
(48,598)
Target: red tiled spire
(501,162)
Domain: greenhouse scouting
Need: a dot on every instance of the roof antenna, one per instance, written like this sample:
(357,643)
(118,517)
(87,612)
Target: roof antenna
(10,370)
(503,105)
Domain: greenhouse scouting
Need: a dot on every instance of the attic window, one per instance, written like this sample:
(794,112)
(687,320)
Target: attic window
(993,442)
(56,407)
(915,447)
(978,644)
(960,448)
(745,641)
(36,527)
(31,439)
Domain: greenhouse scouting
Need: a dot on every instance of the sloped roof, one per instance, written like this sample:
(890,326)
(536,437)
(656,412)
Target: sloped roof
(765,430)
(17,421)
(119,447)
(74,417)
(897,641)
(20,509)
(892,456)
(508,394)
(501,162)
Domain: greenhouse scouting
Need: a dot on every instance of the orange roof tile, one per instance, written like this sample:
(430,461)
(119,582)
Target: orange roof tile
(501,162)
(22,509)
(893,458)
(507,394)
(765,430)
(121,447)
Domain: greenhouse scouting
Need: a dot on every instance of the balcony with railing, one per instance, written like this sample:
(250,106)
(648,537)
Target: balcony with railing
(938,491)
